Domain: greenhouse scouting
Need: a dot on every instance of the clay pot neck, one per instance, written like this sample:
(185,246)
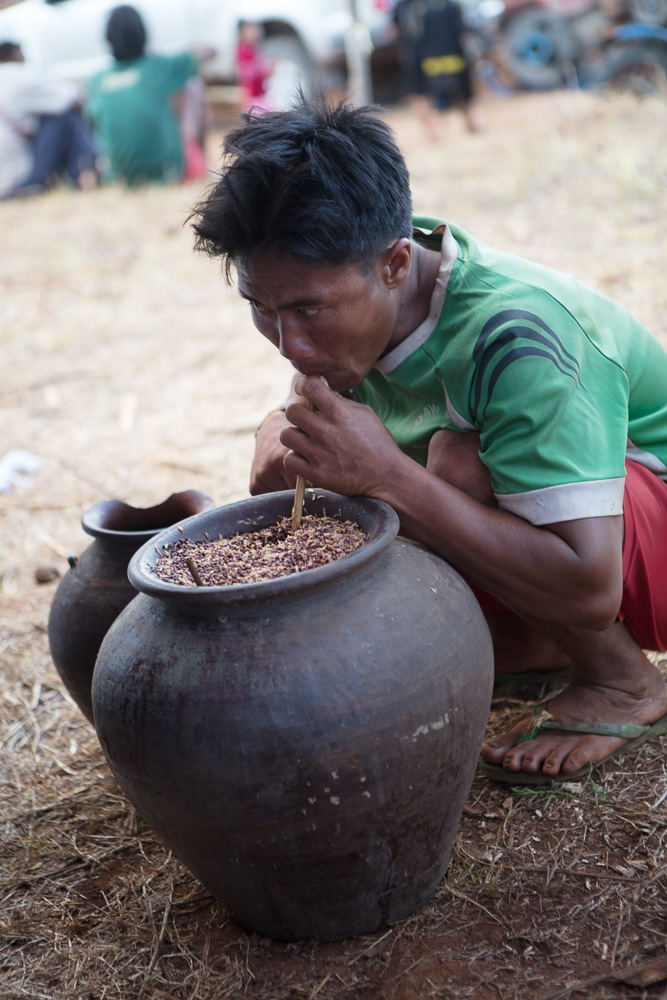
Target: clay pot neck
(115,521)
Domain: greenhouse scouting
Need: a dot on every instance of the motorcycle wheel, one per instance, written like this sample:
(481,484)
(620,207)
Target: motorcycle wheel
(636,69)
(539,47)
(648,11)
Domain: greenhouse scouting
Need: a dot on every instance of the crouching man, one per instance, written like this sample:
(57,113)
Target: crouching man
(515,419)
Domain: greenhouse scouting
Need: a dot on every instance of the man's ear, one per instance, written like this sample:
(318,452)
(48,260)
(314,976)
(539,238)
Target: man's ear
(395,262)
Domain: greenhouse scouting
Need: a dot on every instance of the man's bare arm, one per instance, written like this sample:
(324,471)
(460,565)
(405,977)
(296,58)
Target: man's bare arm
(568,572)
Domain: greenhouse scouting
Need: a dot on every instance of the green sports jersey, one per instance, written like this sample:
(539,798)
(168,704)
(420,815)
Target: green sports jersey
(130,108)
(561,383)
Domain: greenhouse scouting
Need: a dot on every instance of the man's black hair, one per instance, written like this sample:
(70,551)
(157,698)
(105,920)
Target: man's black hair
(126,33)
(323,183)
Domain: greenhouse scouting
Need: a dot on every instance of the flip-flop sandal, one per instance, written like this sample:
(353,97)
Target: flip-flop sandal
(635,736)
(509,684)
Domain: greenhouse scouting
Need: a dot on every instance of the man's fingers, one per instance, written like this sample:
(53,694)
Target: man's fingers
(294,438)
(295,464)
(316,390)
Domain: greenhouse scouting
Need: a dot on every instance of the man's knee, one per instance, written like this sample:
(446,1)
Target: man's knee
(455,458)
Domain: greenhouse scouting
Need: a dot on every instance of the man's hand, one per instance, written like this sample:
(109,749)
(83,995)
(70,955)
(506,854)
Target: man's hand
(341,446)
(267,473)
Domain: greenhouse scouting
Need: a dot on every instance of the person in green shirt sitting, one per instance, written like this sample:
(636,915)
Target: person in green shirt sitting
(132,106)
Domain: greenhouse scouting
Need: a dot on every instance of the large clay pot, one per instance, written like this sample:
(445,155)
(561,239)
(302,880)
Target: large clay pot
(305,745)
(95,589)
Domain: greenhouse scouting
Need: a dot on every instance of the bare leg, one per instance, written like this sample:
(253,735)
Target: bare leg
(464,107)
(519,648)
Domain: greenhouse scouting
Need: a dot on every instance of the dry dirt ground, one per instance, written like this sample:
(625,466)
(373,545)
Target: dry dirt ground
(132,371)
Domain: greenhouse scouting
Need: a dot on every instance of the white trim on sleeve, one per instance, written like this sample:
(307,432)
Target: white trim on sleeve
(455,416)
(569,502)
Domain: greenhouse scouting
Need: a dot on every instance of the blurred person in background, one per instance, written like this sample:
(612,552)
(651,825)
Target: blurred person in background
(42,134)
(148,110)
(253,69)
(407,26)
(435,66)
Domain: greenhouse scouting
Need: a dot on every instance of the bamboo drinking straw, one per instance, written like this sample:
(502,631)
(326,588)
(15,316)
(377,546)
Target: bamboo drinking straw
(193,572)
(297,510)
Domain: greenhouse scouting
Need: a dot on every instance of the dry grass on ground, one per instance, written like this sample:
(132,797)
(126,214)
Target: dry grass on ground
(132,371)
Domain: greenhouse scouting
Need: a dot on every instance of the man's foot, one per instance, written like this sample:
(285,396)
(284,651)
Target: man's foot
(555,753)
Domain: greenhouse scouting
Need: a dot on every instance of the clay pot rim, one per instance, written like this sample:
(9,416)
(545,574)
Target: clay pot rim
(157,518)
(375,516)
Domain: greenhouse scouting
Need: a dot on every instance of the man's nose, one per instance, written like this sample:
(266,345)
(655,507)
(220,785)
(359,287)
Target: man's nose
(293,342)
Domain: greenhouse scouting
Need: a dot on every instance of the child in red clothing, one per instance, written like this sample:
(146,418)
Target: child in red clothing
(252,68)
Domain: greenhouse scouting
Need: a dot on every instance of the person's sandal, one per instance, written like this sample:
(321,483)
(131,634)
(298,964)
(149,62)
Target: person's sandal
(634,734)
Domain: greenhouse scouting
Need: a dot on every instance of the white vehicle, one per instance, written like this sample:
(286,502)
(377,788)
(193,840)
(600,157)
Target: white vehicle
(303,38)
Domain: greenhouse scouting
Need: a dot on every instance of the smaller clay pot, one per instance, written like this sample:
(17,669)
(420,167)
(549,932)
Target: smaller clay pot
(96,588)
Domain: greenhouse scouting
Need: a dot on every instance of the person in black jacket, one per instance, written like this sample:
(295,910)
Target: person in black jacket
(435,66)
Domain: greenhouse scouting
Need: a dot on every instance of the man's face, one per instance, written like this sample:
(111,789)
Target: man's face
(331,321)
